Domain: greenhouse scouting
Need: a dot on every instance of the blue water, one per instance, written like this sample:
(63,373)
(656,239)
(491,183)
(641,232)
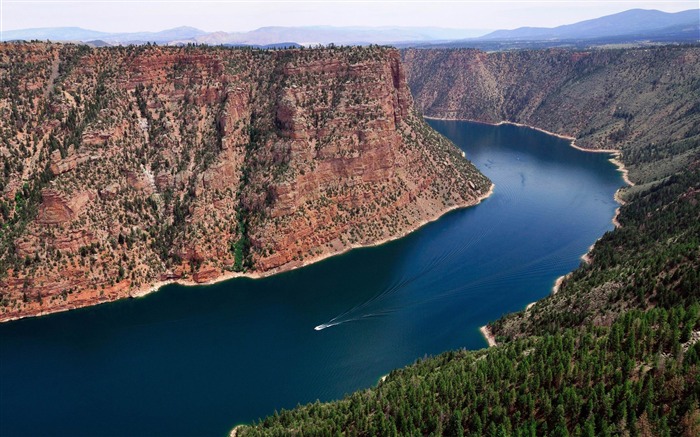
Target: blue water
(197,361)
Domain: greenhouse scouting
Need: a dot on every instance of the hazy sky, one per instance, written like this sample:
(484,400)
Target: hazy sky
(237,15)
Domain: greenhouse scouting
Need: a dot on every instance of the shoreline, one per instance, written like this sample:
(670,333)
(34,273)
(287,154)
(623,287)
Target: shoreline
(155,286)
(586,256)
(558,282)
(555,288)
(306,262)
(622,202)
(488,335)
(615,160)
(616,152)
(236,428)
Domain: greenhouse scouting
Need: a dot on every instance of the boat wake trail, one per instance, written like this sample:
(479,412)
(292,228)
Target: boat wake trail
(323,326)
(431,290)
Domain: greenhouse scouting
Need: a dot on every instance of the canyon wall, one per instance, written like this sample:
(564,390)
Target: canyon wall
(127,166)
(643,101)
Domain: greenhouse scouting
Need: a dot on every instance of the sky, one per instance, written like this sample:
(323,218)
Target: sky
(244,15)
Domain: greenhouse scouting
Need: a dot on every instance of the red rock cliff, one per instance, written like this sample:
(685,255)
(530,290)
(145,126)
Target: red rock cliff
(140,164)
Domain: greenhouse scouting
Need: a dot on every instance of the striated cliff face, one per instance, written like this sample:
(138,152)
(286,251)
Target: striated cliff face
(643,102)
(123,167)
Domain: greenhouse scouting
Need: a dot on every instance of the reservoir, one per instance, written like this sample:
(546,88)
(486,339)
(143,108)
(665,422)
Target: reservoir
(199,360)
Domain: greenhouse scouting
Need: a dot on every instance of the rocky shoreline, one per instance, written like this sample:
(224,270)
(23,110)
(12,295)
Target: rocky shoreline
(153,287)
(488,335)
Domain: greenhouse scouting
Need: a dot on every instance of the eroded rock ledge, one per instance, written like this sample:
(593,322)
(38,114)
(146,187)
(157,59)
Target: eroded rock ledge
(146,165)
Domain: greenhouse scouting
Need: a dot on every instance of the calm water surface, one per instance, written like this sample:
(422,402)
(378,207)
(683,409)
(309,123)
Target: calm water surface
(196,361)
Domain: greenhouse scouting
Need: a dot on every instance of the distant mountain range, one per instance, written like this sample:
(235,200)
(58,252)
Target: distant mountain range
(264,36)
(630,26)
(632,22)
(633,27)
(79,34)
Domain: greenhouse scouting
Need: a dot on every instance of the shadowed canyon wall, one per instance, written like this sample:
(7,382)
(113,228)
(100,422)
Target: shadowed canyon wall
(642,101)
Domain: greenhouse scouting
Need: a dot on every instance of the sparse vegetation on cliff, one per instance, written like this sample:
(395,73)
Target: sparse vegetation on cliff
(641,101)
(125,166)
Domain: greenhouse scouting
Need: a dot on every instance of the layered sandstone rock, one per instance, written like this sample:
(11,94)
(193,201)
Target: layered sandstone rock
(156,164)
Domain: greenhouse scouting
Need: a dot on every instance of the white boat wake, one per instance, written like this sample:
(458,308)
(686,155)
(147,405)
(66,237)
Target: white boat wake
(323,326)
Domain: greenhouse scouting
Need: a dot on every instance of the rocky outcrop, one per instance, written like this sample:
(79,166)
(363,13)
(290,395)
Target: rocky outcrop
(205,275)
(109,192)
(54,209)
(59,165)
(189,164)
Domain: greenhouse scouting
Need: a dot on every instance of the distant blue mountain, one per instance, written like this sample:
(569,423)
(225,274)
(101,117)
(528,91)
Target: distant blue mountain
(53,34)
(633,22)
(79,34)
(346,35)
(164,36)
(264,36)
(628,26)
(281,45)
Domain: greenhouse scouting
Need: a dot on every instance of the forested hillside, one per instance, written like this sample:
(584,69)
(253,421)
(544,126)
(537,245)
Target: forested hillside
(638,377)
(653,260)
(615,351)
